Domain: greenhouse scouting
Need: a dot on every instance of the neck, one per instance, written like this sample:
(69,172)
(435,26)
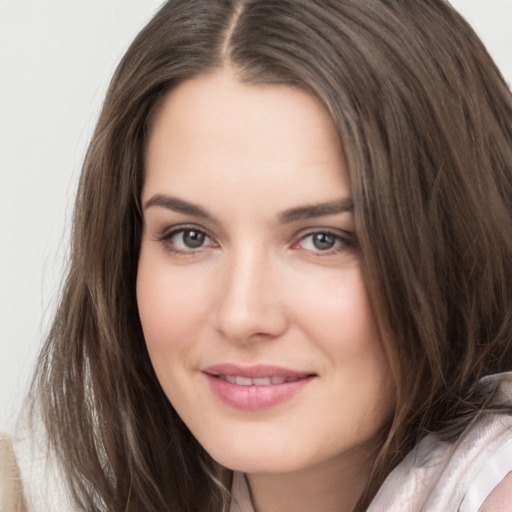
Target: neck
(333,486)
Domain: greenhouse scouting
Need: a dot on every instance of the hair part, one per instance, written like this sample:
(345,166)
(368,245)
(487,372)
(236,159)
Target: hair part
(426,123)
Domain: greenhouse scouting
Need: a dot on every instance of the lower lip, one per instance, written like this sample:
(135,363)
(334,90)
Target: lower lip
(255,398)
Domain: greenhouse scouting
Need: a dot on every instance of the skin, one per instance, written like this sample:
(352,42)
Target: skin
(500,498)
(259,289)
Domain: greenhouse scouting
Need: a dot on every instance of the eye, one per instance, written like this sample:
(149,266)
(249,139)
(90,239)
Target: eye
(190,238)
(325,242)
(186,240)
(320,241)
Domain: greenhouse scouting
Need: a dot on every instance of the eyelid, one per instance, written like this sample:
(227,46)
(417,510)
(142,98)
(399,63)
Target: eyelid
(169,231)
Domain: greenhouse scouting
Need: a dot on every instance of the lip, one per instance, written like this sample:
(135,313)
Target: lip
(255,397)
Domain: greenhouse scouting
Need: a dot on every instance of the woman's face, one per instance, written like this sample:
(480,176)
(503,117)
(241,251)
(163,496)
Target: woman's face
(250,291)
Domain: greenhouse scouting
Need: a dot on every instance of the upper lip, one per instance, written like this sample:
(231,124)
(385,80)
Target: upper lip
(255,371)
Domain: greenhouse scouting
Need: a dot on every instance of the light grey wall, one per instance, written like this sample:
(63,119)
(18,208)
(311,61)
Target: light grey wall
(56,58)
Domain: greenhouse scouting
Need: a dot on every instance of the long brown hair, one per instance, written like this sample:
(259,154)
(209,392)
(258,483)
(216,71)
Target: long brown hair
(426,122)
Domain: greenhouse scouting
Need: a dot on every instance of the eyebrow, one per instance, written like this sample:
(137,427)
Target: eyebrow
(317,210)
(288,216)
(178,205)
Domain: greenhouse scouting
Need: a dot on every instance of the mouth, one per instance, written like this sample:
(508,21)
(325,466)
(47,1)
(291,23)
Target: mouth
(256,387)
(240,380)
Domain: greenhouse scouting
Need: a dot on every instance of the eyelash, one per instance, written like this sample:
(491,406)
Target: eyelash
(342,243)
(166,240)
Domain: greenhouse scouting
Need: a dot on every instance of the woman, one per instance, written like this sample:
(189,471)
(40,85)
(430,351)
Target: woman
(289,275)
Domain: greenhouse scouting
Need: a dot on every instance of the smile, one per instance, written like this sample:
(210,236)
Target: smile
(260,381)
(257,387)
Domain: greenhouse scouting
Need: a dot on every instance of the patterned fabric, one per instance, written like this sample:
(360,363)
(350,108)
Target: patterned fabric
(439,476)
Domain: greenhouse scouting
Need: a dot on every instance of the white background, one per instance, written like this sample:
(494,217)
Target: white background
(56,59)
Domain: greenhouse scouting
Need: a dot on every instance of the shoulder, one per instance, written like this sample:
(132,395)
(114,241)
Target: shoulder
(30,478)
(11,488)
(491,489)
(500,499)
(469,475)
(472,474)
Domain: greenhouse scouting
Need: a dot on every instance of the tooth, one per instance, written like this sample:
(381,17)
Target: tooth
(262,381)
(243,381)
(230,378)
(278,380)
(292,379)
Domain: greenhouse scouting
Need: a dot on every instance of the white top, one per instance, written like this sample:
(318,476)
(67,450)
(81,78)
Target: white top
(438,476)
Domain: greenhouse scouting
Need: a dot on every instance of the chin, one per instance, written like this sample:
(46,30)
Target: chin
(253,466)
(260,459)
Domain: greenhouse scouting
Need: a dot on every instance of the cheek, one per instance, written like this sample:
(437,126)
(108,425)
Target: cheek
(336,311)
(338,316)
(171,304)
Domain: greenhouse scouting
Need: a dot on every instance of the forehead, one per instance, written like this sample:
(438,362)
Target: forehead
(213,131)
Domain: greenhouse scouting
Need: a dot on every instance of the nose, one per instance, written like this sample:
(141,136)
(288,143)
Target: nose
(249,306)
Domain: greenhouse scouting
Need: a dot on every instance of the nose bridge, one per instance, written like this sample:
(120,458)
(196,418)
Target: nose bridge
(249,303)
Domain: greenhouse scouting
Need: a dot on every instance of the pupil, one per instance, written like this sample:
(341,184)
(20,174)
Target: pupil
(193,239)
(323,241)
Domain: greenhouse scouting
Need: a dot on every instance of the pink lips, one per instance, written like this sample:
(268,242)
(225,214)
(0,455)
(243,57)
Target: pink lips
(255,388)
